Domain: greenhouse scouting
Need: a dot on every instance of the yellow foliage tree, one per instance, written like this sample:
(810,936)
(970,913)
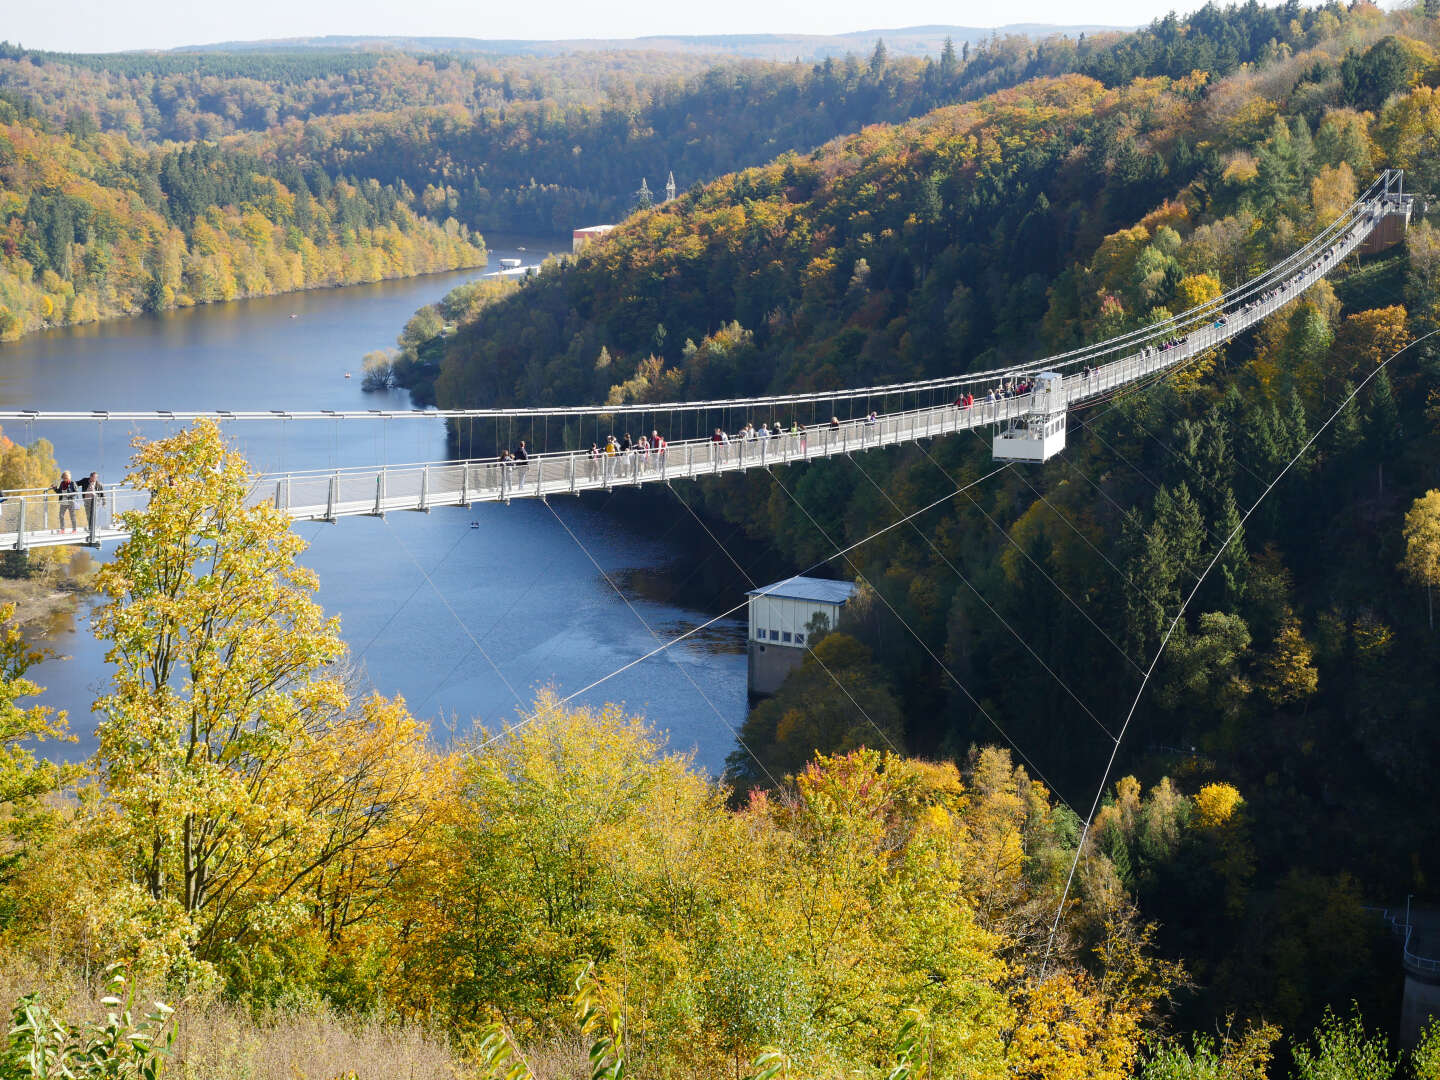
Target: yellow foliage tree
(1215,804)
(1369,337)
(1422,545)
(241,780)
(22,775)
(814,919)
(1067,1032)
(1331,192)
(1287,672)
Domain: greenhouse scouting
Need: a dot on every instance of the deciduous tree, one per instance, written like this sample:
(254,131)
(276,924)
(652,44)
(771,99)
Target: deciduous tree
(1422,545)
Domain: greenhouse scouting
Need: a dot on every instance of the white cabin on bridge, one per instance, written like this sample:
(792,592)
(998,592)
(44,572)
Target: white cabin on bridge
(1039,435)
(781,617)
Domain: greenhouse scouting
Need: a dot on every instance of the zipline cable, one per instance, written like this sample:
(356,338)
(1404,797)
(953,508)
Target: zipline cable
(1179,614)
(651,631)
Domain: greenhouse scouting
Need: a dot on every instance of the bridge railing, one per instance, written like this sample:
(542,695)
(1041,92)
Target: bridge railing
(1405,931)
(33,518)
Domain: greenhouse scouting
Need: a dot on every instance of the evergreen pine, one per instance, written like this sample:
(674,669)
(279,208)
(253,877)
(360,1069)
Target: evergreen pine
(1382,427)
(1296,426)
(948,61)
(1346,433)
(1233,562)
(879,58)
(1151,597)
(1178,516)
(1383,431)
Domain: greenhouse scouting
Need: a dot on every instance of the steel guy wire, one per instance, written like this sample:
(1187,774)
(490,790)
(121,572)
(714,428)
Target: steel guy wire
(541,661)
(808,646)
(651,631)
(980,596)
(395,614)
(726,614)
(455,614)
(464,655)
(930,652)
(1031,560)
(1073,527)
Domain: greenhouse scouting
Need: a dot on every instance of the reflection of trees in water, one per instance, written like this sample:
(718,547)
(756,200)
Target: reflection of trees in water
(700,588)
(49,599)
(723,638)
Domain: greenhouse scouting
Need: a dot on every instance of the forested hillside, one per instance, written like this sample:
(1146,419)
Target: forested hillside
(549,166)
(882,883)
(205,95)
(546,144)
(314,183)
(92,226)
(1065,210)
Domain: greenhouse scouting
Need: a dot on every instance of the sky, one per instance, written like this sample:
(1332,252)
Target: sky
(113,25)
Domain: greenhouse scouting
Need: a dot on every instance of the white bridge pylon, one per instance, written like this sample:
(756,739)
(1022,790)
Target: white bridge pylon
(1029,426)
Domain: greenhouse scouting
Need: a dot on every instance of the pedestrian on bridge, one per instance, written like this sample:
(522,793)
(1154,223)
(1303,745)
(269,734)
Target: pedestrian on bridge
(69,494)
(522,461)
(93,493)
(612,449)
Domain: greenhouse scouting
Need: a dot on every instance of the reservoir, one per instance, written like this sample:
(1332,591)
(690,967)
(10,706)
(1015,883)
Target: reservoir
(467,613)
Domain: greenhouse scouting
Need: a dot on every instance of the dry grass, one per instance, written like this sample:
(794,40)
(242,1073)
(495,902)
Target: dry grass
(220,1042)
(217,1041)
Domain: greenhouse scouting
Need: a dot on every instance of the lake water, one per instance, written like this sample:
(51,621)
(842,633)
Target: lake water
(423,598)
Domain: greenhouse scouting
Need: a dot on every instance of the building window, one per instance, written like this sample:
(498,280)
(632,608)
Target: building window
(785,636)
(799,639)
(774,635)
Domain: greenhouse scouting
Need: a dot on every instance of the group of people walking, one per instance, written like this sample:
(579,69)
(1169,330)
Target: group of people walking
(1008,389)
(648,452)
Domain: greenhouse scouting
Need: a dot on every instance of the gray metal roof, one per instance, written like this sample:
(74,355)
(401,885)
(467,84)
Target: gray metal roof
(816,590)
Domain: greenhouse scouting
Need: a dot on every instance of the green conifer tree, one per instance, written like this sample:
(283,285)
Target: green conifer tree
(948,61)
(1383,432)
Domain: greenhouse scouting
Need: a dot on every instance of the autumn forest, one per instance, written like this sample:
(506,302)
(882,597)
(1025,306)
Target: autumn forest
(899,873)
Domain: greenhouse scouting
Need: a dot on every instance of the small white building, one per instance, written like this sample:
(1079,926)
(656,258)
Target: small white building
(780,625)
(580,237)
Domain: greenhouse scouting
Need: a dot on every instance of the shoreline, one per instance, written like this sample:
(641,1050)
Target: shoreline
(131,315)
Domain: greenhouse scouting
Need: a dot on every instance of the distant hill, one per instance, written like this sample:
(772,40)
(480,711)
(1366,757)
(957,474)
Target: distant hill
(903,41)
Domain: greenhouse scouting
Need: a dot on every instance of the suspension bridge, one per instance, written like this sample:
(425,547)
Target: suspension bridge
(1025,404)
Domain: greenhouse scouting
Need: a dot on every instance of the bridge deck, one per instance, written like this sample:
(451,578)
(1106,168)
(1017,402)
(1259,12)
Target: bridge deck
(34,519)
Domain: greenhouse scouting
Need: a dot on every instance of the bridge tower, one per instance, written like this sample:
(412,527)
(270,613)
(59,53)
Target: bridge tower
(1038,434)
(1393,213)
